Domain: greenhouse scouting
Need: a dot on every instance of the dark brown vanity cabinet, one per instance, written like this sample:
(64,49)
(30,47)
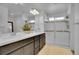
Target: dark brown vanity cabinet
(25,50)
(23,47)
(29,49)
(42,40)
(37,44)
(29,46)
(17,52)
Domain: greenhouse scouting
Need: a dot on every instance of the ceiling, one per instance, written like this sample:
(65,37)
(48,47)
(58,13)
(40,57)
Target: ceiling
(48,8)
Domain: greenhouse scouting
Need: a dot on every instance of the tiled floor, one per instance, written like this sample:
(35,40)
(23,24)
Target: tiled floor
(54,50)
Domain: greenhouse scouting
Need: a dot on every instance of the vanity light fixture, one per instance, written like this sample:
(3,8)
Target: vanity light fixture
(34,12)
(60,18)
(51,19)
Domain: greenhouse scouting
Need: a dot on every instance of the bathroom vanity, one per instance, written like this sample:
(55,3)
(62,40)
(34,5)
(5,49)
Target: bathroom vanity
(22,43)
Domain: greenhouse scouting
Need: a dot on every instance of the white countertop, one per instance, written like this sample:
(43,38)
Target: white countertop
(12,37)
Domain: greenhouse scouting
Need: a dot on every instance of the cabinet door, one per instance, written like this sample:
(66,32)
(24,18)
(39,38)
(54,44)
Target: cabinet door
(42,40)
(50,38)
(17,52)
(41,43)
(62,39)
(36,43)
(29,49)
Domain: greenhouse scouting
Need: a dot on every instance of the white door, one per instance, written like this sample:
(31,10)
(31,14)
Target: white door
(50,37)
(62,39)
(49,27)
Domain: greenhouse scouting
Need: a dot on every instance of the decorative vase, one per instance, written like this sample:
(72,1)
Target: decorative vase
(26,28)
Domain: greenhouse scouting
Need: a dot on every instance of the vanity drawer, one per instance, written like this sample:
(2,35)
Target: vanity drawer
(17,52)
(28,49)
(42,40)
(24,50)
(13,46)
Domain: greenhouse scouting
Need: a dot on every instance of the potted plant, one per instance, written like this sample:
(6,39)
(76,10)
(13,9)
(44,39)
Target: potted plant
(26,27)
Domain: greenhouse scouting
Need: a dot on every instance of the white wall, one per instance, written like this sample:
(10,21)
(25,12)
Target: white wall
(74,28)
(71,17)
(76,24)
(60,14)
(18,24)
(39,23)
(3,19)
